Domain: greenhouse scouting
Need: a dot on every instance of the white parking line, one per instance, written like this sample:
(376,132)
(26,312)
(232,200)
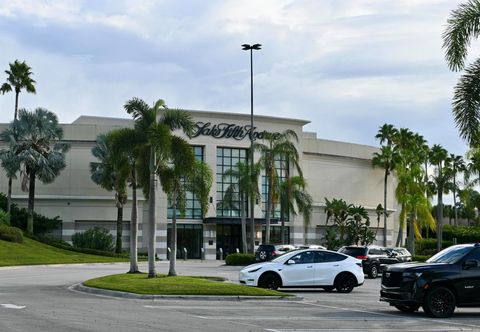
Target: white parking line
(438,321)
(12,306)
(367,330)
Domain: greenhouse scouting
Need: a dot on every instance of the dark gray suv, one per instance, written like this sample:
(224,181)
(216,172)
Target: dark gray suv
(374,258)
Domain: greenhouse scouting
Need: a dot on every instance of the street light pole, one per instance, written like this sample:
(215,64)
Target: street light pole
(247,47)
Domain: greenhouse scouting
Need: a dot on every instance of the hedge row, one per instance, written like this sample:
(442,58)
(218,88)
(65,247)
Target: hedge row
(464,234)
(240,259)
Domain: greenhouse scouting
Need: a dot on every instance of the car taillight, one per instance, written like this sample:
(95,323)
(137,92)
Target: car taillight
(361,257)
(274,253)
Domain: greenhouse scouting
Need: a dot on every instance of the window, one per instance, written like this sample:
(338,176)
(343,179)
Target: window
(306,257)
(227,158)
(193,209)
(281,165)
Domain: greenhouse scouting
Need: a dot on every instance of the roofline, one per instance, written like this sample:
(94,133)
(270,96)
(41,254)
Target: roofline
(211,113)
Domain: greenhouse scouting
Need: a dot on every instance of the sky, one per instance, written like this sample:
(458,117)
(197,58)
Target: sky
(348,66)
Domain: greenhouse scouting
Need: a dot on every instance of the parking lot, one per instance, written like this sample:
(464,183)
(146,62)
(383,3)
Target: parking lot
(40,299)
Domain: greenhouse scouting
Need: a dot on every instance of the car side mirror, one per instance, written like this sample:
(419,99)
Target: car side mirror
(470,263)
(290,262)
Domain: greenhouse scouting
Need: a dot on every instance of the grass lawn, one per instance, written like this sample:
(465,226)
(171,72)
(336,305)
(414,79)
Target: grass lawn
(181,285)
(33,253)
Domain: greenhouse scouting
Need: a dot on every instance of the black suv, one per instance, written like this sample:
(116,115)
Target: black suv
(267,252)
(447,280)
(374,258)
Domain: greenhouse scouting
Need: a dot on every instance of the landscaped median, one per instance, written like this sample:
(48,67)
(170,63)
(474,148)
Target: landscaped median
(139,283)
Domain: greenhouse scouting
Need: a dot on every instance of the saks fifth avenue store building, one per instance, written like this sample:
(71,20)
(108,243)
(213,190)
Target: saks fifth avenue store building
(332,170)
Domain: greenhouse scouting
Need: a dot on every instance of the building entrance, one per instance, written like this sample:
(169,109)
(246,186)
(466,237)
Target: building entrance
(229,238)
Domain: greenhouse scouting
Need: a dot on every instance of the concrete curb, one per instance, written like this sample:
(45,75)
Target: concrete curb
(106,292)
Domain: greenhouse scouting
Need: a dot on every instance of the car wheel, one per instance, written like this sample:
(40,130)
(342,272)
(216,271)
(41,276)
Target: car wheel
(440,302)
(262,255)
(270,281)
(345,283)
(328,288)
(373,272)
(407,308)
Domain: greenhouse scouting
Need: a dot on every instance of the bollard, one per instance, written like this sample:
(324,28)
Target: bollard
(202,250)
(184,253)
(237,250)
(221,254)
(169,253)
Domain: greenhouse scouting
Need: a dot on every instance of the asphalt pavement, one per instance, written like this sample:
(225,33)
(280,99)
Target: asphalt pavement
(41,298)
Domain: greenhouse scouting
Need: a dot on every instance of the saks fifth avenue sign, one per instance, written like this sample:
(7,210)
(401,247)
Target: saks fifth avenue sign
(227,130)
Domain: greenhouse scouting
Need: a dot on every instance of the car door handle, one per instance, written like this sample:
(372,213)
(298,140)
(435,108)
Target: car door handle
(336,265)
(309,267)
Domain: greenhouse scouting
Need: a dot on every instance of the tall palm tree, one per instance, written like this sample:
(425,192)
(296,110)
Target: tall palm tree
(462,26)
(180,175)
(111,173)
(11,165)
(440,183)
(457,166)
(126,146)
(156,124)
(242,187)
(277,147)
(386,160)
(18,78)
(293,197)
(36,139)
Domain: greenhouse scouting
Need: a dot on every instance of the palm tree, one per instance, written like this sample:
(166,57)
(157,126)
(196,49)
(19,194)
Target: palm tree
(11,165)
(278,148)
(19,77)
(386,160)
(242,187)
(111,174)
(178,176)
(125,144)
(35,138)
(462,26)
(157,130)
(293,194)
(440,183)
(337,211)
(457,165)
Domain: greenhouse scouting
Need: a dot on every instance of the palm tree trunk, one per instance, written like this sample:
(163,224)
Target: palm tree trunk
(269,207)
(244,222)
(134,226)
(173,237)
(31,202)
(455,214)
(385,208)
(439,220)
(9,196)
(151,218)
(400,230)
(16,104)
(411,235)
(118,246)
(252,225)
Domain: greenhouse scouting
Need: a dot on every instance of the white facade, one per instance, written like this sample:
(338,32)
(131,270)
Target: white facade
(332,170)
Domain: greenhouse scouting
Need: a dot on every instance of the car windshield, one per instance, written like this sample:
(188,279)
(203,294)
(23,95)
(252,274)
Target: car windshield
(449,255)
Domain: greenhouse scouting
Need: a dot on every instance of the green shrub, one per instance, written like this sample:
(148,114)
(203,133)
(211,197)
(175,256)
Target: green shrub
(96,238)
(4,218)
(11,234)
(19,216)
(240,259)
(464,234)
(428,247)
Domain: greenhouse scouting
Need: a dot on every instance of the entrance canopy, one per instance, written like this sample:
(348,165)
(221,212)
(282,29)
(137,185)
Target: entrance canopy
(236,221)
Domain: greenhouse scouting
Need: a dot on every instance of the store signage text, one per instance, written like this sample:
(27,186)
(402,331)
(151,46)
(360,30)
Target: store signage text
(227,130)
